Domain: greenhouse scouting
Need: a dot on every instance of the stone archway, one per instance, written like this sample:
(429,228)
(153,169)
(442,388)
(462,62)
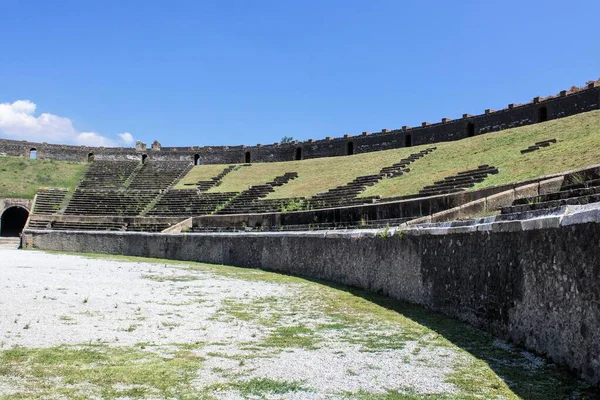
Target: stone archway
(12,221)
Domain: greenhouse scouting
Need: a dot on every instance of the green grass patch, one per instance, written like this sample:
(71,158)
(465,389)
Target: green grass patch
(402,395)
(578,146)
(91,371)
(200,173)
(292,337)
(480,369)
(171,278)
(21,177)
(264,311)
(262,387)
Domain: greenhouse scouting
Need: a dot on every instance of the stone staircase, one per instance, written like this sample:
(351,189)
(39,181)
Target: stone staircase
(188,202)
(346,195)
(109,202)
(132,191)
(9,243)
(576,190)
(458,182)
(159,175)
(538,145)
(77,225)
(203,186)
(247,201)
(108,174)
(49,201)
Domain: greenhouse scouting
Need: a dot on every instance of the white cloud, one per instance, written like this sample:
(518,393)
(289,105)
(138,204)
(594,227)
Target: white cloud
(18,121)
(126,137)
(93,139)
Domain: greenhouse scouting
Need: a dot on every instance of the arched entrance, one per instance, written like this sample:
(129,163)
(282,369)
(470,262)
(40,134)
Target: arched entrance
(470,129)
(542,114)
(12,221)
(196,159)
(350,149)
(407,140)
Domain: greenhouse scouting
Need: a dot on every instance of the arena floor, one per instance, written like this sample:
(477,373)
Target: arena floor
(94,327)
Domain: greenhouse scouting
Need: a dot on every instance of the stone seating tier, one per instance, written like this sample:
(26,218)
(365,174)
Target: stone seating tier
(109,202)
(203,186)
(594,198)
(188,202)
(375,224)
(538,145)
(159,175)
(77,225)
(148,227)
(48,201)
(243,203)
(572,192)
(347,194)
(108,174)
(462,180)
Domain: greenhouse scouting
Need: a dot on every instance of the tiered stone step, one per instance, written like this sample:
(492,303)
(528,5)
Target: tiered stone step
(401,167)
(203,186)
(107,174)
(376,224)
(188,202)
(279,205)
(9,243)
(538,145)
(48,201)
(246,202)
(109,202)
(39,224)
(570,194)
(459,182)
(148,226)
(87,226)
(159,175)
(345,195)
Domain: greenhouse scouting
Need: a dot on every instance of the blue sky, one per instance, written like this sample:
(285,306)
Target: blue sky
(247,72)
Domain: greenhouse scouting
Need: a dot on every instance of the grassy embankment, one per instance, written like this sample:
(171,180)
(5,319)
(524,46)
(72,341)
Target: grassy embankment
(21,177)
(578,146)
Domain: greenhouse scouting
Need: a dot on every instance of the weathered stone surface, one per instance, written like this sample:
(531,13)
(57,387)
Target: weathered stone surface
(539,286)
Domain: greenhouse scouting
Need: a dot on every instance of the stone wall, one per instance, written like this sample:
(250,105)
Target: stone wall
(10,202)
(535,282)
(410,208)
(562,105)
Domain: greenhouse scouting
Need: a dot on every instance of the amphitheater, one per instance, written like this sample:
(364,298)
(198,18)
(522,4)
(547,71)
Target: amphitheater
(482,225)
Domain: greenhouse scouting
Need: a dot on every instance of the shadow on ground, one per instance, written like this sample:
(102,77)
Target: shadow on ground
(512,364)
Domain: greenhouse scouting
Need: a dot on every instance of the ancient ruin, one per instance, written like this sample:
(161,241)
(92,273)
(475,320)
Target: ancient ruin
(518,259)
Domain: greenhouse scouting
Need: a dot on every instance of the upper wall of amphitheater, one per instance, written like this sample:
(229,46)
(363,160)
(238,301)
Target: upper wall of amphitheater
(566,103)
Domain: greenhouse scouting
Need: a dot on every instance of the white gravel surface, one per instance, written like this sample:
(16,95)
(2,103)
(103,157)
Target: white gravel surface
(50,299)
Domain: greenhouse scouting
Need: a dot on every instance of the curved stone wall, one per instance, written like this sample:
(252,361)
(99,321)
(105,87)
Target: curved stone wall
(535,282)
(566,103)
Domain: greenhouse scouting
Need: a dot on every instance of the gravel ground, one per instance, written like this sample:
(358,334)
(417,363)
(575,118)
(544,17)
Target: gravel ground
(49,300)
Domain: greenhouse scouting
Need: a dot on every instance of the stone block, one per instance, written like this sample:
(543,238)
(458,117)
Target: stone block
(503,199)
(530,190)
(551,185)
